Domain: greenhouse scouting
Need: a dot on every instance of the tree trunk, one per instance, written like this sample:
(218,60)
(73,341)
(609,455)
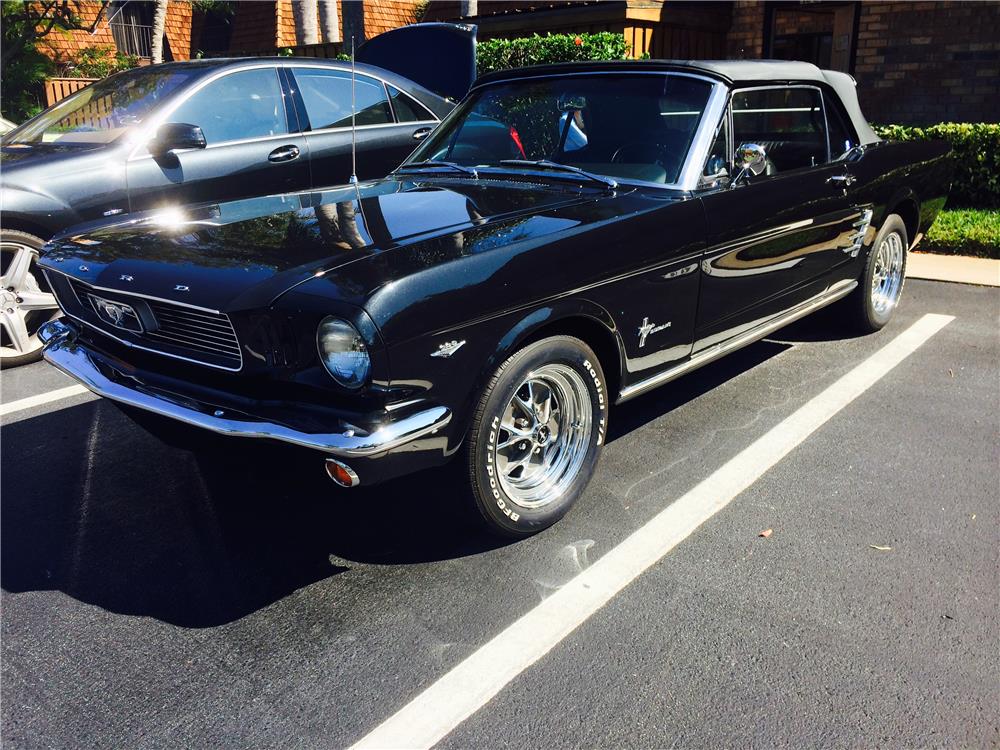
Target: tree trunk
(354,23)
(470,8)
(306,21)
(328,21)
(159,27)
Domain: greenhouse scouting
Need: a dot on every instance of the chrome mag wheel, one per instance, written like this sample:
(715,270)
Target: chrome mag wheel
(887,274)
(25,302)
(544,435)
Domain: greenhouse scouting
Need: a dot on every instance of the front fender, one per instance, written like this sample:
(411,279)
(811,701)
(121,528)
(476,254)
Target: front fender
(457,381)
(33,211)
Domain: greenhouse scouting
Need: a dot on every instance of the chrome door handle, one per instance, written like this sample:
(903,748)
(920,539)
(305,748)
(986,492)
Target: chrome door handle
(284,153)
(841,180)
(420,133)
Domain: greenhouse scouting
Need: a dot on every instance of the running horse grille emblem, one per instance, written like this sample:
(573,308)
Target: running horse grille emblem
(117,314)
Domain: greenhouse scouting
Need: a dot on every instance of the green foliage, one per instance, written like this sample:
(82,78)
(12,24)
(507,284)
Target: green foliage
(100,62)
(965,232)
(23,85)
(977,158)
(500,54)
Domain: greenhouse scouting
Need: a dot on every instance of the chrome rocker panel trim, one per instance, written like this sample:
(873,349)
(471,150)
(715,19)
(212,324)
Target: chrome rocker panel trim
(62,351)
(756,333)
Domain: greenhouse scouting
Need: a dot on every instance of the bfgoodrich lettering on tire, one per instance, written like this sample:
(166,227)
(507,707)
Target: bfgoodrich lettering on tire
(536,435)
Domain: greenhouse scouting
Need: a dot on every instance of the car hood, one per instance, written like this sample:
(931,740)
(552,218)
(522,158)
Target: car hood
(243,254)
(15,158)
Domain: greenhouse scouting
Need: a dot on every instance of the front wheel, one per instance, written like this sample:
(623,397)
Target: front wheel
(536,435)
(881,285)
(26,302)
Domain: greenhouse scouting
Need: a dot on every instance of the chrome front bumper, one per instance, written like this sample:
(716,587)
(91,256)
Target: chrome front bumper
(64,352)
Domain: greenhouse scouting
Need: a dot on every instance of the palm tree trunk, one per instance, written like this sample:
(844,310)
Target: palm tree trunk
(354,23)
(328,21)
(159,27)
(306,21)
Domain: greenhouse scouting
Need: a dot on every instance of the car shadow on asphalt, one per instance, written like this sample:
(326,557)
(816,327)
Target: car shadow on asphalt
(99,509)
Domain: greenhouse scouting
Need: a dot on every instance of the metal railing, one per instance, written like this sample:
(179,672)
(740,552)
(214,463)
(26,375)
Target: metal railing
(132,38)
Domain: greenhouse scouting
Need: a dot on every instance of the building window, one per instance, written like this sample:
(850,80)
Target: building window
(131,25)
(820,33)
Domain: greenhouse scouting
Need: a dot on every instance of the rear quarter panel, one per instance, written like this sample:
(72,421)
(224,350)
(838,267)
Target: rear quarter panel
(890,174)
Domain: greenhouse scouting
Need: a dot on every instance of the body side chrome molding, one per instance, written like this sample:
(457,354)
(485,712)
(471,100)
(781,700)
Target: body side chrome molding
(713,353)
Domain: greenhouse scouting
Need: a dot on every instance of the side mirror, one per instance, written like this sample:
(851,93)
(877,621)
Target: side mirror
(751,159)
(174,136)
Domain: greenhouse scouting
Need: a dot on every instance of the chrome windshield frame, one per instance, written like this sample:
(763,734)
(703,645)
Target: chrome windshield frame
(700,144)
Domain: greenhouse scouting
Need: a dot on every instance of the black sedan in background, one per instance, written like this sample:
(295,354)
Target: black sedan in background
(208,130)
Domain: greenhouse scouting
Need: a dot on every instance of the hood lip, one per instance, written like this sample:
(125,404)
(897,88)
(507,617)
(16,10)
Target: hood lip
(48,267)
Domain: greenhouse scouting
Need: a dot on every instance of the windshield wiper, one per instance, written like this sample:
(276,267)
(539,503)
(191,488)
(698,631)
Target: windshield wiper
(438,163)
(557,167)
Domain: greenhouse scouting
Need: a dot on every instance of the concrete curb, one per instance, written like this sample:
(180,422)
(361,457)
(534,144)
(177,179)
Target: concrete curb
(955,268)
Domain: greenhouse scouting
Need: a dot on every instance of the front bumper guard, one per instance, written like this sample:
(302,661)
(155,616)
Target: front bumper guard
(62,350)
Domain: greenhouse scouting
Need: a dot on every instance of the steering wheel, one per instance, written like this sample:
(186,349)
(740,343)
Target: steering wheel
(639,152)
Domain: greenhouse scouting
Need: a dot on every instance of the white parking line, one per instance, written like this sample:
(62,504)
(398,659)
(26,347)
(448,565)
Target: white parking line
(445,704)
(42,398)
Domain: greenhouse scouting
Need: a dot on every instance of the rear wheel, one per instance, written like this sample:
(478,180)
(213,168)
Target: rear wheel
(881,285)
(26,302)
(536,435)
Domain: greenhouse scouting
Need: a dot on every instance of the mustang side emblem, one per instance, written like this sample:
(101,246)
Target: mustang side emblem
(446,350)
(125,277)
(182,288)
(647,328)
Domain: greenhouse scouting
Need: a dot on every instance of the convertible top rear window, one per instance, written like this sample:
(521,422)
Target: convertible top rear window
(637,127)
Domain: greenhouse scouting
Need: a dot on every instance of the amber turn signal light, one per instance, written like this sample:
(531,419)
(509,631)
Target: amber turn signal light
(341,473)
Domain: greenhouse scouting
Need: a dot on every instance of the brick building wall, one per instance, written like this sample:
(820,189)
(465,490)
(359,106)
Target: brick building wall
(745,39)
(177,29)
(260,26)
(925,62)
(63,47)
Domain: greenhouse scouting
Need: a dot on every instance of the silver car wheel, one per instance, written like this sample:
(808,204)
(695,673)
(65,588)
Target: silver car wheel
(887,274)
(544,434)
(24,304)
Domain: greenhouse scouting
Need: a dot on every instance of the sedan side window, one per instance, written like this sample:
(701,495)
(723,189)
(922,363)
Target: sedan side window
(788,122)
(245,104)
(327,98)
(407,108)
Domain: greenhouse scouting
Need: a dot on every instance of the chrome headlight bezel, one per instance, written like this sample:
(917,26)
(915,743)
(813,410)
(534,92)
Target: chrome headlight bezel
(343,352)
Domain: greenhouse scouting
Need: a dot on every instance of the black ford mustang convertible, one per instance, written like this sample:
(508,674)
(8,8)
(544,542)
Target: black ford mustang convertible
(569,238)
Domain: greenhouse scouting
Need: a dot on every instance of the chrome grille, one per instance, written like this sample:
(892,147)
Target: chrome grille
(195,334)
(195,329)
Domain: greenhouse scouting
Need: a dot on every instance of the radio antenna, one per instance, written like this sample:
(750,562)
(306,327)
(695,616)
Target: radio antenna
(354,132)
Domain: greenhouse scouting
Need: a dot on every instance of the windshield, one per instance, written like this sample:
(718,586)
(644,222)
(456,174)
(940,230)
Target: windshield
(103,111)
(628,126)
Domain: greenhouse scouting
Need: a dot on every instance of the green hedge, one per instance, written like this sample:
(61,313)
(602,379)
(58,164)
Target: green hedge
(977,158)
(964,232)
(500,54)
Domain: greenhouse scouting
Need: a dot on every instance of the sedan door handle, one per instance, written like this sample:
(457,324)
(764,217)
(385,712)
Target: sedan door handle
(284,153)
(841,180)
(420,133)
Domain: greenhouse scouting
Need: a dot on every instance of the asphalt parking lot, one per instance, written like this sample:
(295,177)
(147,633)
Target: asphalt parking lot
(148,603)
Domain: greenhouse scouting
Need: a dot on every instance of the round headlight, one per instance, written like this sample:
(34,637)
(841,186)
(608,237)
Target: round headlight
(343,352)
